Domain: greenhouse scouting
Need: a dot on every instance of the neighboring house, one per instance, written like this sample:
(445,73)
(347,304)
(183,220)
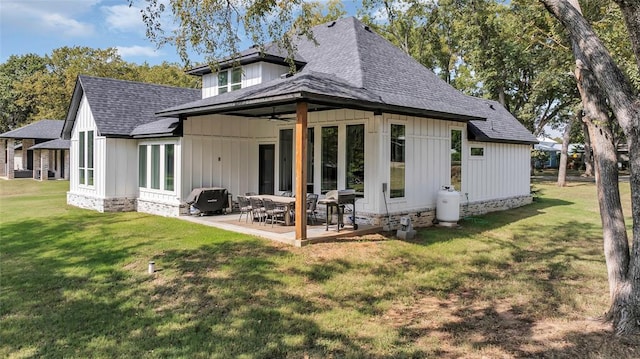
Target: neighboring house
(553,149)
(40,150)
(357,113)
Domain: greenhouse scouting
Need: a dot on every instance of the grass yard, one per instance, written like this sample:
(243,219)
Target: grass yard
(529,282)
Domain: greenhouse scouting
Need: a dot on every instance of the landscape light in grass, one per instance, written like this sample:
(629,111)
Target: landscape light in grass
(152,267)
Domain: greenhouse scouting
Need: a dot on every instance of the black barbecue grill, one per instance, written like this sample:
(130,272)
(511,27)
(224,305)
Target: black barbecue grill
(339,200)
(208,200)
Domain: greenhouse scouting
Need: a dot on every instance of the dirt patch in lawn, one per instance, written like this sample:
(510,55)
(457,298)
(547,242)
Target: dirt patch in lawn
(499,330)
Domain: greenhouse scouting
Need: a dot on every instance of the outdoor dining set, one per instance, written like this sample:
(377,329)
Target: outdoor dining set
(280,208)
(274,208)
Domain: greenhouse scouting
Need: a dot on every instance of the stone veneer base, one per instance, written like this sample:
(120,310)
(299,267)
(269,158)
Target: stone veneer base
(426,217)
(162,209)
(122,204)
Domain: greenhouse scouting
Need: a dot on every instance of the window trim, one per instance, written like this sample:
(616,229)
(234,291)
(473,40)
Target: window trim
(347,151)
(404,195)
(86,158)
(230,85)
(162,163)
(477,157)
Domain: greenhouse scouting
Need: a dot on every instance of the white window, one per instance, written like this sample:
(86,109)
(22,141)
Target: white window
(224,85)
(476,152)
(397,165)
(85,158)
(156,166)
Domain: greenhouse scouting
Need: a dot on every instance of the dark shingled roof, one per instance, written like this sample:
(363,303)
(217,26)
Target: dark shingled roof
(162,127)
(500,125)
(57,144)
(41,130)
(351,66)
(119,106)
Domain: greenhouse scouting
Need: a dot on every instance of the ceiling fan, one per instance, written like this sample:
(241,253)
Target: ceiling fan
(276,117)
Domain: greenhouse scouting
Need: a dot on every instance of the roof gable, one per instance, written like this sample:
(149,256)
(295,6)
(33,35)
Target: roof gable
(119,106)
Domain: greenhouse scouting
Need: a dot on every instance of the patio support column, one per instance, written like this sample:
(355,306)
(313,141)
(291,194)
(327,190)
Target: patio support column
(36,163)
(3,157)
(11,144)
(301,171)
(67,163)
(44,165)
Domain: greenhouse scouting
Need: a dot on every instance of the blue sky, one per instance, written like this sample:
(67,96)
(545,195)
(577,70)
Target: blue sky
(39,26)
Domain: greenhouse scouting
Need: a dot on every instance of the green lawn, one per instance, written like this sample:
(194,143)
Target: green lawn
(522,283)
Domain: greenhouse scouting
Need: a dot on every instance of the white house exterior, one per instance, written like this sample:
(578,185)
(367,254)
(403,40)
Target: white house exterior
(374,120)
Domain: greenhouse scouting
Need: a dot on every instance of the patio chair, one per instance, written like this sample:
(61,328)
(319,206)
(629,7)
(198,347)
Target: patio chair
(312,204)
(257,209)
(287,194)
(272,211)
(245,208)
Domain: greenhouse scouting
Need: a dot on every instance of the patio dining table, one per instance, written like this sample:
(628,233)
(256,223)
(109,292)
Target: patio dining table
(287,202)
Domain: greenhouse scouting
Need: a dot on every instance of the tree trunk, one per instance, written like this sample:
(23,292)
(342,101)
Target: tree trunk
(587,157)
(623,267)
(562,170)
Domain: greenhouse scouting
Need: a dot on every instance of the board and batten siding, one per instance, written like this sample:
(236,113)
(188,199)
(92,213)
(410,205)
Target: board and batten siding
(502,172)
(427,161)
(271,71)
(221,151)
(84,122)
(252,74)
(121,164)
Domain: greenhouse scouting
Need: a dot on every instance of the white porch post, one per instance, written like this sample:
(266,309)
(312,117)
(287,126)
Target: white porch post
(301,172)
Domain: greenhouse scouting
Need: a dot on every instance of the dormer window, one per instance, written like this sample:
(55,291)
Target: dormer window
(224,85)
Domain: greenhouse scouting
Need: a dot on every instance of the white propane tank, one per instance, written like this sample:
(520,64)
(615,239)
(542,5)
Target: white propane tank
(448,206)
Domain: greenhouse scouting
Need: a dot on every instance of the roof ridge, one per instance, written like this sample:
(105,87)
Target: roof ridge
(355,23)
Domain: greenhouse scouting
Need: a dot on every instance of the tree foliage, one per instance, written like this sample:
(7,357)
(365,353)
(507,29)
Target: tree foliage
(35,88)
(17,107)
(213,28)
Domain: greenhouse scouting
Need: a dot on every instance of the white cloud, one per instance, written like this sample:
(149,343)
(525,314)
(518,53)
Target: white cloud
(123,18)
(49,16)
(66,26)
(131,51)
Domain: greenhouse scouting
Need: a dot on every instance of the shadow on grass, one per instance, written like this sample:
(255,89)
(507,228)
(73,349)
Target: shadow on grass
(71,296)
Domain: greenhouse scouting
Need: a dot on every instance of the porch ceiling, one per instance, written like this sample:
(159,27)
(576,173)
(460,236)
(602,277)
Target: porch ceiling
(286,111)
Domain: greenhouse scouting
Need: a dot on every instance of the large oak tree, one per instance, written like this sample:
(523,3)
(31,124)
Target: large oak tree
(603,83)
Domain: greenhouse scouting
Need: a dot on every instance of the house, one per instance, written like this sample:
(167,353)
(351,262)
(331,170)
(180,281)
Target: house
(553,149)
(33,150)
(356,113)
